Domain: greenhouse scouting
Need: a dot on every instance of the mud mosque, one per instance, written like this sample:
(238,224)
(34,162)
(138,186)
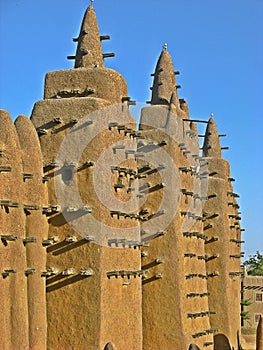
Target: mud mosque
(113,236)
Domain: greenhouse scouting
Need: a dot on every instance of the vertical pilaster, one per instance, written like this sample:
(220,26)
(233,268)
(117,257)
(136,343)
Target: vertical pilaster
(223,244)
(13,289)
(35,198)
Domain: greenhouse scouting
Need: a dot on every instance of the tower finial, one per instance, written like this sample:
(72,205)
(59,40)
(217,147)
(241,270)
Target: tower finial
(91,2)
(211,146)
(164,84)
(165,46)
(89,50)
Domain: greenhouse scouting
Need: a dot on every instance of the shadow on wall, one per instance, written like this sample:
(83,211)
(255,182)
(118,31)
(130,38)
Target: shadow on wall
(221,342)
(193,347)
(109,346)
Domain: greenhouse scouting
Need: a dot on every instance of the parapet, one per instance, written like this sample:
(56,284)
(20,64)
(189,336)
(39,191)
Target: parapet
(98,82)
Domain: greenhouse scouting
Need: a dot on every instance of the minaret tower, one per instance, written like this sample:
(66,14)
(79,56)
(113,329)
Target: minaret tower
(175,299)
(223,246)
(88,143)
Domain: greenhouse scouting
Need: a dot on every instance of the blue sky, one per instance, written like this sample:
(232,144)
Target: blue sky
(216,45)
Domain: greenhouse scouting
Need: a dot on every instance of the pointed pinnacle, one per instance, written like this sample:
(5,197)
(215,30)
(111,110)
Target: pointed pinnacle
(184,108)
(193,127)
(89,51)
(211,147)
(164,80)
(174,103)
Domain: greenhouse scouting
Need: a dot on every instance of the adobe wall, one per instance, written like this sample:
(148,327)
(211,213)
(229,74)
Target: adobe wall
(67,250)
(120,256)
(252,285)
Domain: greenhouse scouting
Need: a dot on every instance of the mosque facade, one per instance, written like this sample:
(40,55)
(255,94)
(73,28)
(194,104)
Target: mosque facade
(116,236)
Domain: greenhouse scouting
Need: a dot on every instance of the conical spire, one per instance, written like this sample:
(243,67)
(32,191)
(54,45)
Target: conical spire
(193,127)
(164,85)
(211,147)
(184,108)
(260,334)
(89,51)
(174,103)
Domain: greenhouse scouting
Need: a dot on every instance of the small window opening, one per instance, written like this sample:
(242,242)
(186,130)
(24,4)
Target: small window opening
(67,175)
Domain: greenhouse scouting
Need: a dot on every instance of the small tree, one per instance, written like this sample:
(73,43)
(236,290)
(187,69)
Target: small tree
(255,264)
